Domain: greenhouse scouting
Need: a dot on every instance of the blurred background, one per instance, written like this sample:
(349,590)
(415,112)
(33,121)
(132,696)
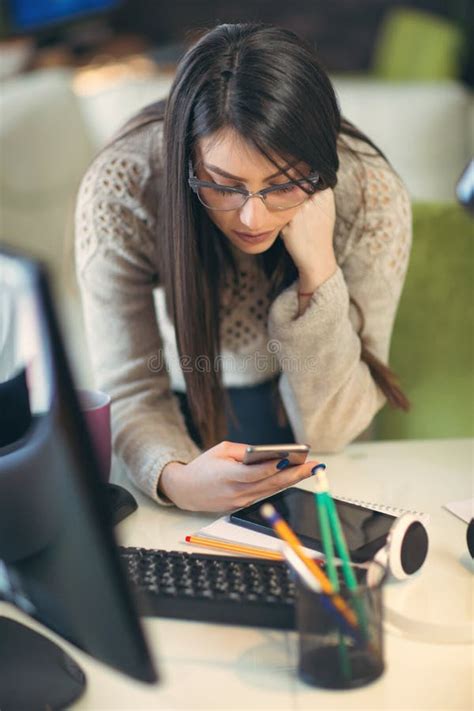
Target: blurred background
(72,71)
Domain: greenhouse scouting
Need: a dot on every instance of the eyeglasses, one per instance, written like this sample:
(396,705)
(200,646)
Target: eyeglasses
(276,197)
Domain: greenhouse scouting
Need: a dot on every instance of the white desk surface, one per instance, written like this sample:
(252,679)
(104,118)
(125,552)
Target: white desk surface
(206,666)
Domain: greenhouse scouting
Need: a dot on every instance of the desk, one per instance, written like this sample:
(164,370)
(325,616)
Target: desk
(206,666)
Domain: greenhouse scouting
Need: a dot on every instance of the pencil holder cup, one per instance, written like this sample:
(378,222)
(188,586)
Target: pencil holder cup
(334,654)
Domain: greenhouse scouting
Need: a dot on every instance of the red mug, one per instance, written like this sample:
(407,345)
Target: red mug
(95,407)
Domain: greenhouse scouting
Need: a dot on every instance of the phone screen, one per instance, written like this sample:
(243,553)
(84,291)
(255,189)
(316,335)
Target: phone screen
(365,530)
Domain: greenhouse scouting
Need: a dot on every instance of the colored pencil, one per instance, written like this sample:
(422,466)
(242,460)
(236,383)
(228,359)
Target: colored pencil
(283,530)
(234,547)
(334,522)
(326,538)
(341,546)
(328,547)
(295,562)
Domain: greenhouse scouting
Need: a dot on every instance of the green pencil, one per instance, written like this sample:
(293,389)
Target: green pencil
(326,538)
(328,549)
(341,548)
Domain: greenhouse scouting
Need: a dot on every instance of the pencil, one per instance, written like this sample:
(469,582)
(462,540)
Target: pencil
(302,571)
(234,547)
(326,538)
(285,533)
(341,547)
(328,547)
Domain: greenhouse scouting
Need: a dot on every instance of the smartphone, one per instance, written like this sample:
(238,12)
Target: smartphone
(365,530)
(295,453)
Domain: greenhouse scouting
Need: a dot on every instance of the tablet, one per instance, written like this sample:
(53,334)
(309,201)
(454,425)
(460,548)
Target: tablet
(365,530)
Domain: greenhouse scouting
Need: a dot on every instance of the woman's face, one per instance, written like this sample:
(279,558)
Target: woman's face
(227,159)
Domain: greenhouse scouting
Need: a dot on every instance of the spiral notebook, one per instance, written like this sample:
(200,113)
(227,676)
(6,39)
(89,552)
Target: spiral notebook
(382,508)
(224,531)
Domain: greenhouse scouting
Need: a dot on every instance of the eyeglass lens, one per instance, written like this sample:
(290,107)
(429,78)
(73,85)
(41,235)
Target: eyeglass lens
(288,196)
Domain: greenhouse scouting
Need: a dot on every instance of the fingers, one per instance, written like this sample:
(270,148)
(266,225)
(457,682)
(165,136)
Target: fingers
(253,473)
(232,450)
(250,473)
(323,202)
(244,473)
(275,482)
(285,478)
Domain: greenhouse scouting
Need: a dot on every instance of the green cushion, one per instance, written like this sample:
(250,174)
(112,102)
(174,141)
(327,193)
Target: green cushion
(432,345)
(415,45)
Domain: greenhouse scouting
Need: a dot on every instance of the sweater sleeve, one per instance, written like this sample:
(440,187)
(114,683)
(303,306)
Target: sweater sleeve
(327,390)
(115,238)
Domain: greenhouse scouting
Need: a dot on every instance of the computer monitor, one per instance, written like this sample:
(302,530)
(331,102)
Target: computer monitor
(32,15)
(59,560)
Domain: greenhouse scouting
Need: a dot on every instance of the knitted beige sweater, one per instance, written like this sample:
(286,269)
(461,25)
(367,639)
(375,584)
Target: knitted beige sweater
(327,391)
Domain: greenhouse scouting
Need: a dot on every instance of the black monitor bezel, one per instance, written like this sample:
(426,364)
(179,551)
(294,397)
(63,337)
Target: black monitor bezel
(141,664)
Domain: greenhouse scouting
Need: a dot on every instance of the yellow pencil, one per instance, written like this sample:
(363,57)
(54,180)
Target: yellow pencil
(234,548)
(281,527)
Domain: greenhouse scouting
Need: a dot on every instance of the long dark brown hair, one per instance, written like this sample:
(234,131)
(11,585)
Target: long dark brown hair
(267,84)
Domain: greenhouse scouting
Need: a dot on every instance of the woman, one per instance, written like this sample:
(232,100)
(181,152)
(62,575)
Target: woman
(279,237)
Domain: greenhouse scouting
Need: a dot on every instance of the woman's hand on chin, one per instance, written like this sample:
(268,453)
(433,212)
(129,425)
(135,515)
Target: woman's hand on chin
(308,237)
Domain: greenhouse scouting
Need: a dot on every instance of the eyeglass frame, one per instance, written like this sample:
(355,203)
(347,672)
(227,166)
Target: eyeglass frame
(194,183)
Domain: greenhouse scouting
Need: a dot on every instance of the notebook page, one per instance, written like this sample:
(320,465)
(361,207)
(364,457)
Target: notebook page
(462,509)
(224,530)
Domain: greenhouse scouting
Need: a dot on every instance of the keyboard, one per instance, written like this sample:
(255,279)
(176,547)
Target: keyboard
(211,588)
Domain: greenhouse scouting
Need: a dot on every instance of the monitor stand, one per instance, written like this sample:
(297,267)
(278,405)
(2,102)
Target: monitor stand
(35,672)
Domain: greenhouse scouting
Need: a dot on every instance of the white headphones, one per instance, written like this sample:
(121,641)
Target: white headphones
(402,555)
(406,547)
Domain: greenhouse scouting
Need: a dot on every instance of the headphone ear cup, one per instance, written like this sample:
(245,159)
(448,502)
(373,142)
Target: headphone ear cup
(414,547)
(407,546)
(470,537)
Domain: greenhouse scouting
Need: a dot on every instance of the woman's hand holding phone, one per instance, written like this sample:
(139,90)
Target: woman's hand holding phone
(217,480)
